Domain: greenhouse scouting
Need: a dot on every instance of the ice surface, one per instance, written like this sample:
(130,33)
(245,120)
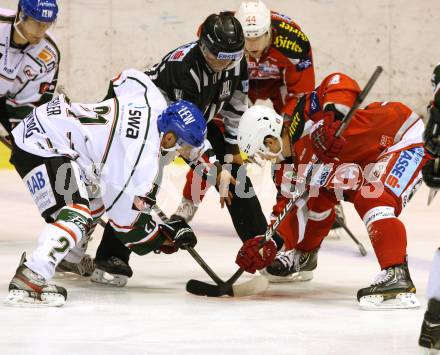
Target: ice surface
(154,314)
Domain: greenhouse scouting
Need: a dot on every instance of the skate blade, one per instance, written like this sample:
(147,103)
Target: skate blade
(104,278)
(22,298)
(377,303)
(295,277)
(425,351)
(251,287)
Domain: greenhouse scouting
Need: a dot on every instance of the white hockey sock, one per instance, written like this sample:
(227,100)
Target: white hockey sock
(433,289)
(58,238)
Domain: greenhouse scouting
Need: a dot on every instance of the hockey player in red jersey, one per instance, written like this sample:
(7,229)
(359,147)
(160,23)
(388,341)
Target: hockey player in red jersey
(280,67)
(376,165)
(279,55)
(430,333)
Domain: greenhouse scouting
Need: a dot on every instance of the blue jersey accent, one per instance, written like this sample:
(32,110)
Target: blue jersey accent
(403,170)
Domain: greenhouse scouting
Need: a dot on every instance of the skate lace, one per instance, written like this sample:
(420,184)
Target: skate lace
(285,258)
(383,277)
(299,258)
(116,261)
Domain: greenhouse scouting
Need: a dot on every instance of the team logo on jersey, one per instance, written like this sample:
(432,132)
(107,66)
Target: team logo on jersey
(38,183)
(403,170)
(29,72)
(45,87)
(303,64)
(181,52)
(226,90)
(45,55)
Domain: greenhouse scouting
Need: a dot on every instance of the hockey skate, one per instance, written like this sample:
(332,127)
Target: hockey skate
(113,272)
(28,289)
(392,289)
(292,266)
(186,210)
(430,333)
(83,268)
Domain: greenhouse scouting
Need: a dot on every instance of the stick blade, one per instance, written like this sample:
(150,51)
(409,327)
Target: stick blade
(201,288)
(251,287)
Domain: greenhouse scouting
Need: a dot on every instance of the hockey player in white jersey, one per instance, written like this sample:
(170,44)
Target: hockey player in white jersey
(29,60)
(79,160)
(430,333)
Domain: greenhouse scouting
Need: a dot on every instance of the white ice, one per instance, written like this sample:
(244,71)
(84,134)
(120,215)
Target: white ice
(153,314)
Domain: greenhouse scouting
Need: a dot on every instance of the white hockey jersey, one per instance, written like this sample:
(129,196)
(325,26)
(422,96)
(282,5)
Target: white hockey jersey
(28,76)
(116,143)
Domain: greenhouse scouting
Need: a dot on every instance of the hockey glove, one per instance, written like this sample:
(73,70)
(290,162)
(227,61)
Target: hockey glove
(431,173)
(325,145)
(179,232)
(431,135)
(251,258)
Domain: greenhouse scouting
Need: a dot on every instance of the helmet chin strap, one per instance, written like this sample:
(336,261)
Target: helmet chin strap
(18,22)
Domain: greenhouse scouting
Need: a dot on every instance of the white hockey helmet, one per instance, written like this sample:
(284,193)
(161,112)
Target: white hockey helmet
(254,17)
(255,125)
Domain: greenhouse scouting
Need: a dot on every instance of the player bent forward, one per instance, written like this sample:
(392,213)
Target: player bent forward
(65,150)
(430,332)
(382,154)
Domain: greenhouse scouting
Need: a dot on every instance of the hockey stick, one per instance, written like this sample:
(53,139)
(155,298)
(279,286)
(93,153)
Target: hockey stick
(250,287)
(341,222)
(202,288)
(433,192)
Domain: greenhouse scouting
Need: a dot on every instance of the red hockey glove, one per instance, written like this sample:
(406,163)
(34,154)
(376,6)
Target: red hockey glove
(325,145)
(251,259)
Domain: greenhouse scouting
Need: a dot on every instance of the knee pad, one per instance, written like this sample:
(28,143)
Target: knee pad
(76,220)
(376,208)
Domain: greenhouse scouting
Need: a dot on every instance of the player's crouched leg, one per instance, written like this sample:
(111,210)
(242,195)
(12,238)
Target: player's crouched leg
(30,286)
(393,287)
(61,197)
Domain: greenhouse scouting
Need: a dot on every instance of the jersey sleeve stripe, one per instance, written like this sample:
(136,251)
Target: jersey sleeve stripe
(112,132)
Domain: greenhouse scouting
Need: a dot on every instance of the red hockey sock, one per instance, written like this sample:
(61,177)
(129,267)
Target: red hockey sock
(388,237)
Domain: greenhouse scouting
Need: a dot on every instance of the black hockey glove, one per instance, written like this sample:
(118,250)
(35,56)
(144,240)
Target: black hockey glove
(431,136)
(180,232)
(431,173)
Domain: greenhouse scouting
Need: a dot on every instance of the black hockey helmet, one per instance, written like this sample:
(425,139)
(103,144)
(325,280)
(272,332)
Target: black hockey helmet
(223,36)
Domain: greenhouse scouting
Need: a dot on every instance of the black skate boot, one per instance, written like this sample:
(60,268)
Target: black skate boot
(112,271)
(392,289)
(28,288)
(292,265)
(84,268)
(430,333)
